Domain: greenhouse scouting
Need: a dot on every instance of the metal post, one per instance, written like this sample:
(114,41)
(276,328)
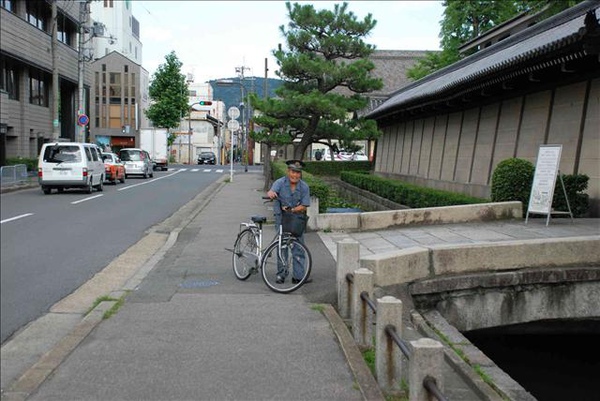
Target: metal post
(55,84)
(231,158)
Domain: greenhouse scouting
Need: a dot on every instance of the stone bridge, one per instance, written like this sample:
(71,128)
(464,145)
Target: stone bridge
(464,268)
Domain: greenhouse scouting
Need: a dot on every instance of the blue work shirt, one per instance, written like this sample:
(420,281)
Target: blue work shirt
(287,198)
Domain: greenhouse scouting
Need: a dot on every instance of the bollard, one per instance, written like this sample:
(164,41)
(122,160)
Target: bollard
(388,356)
(362,322)
(348,251)
(313,213)
(426,359)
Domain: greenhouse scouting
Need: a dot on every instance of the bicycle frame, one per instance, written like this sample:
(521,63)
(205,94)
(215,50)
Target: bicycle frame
(258,234)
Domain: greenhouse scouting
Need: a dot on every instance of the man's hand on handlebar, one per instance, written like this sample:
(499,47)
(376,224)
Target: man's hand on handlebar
(272,194)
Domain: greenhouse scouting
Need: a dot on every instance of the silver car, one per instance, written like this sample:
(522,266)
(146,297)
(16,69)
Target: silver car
(137,162)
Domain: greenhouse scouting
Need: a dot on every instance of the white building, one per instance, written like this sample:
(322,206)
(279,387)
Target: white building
(202,130)
(121,29)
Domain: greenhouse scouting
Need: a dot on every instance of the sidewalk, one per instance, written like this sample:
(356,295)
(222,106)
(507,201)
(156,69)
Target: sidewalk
(191,331)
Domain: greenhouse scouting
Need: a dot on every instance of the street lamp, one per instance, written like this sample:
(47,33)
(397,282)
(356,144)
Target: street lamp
(200,103)
(244,90)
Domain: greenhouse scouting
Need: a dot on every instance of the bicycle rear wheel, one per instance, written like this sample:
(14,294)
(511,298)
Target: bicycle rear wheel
(286,270)
(245,254)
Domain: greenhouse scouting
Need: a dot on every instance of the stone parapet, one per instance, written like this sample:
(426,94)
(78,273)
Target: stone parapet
(422,216)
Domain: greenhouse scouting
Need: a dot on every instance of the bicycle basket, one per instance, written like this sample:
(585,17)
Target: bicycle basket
(293,223)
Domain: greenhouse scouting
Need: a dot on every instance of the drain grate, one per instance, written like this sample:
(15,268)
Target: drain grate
(198,283)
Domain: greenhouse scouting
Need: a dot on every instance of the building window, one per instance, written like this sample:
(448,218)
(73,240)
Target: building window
(38,14)
(38,88)
(7,4)
(108,3)
(9,79)
(66,30)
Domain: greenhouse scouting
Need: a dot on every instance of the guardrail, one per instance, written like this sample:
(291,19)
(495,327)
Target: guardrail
(424,356)
(13,174)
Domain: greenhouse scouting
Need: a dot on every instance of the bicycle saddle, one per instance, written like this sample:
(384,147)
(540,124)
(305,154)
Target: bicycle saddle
(259,219)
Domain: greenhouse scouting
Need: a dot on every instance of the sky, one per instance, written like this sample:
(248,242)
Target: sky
(213,38)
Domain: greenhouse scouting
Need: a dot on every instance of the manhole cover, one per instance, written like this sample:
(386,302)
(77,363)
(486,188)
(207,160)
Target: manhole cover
(198,283)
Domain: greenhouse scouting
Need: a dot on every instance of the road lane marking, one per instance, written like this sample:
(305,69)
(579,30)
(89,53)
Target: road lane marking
(16,218)
(86,199)
(148,182)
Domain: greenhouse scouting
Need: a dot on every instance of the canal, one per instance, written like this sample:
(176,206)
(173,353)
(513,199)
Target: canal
(554,361)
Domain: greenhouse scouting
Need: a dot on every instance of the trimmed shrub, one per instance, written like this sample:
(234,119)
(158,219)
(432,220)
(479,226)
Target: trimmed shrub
(334,168)
(513,178)
(511,181)
(575,184)
(32,164)
(407,194)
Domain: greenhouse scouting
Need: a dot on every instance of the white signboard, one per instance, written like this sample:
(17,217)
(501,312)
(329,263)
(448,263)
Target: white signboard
(544,179)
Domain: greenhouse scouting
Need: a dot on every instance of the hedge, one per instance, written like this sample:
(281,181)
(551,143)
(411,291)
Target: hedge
(407,194)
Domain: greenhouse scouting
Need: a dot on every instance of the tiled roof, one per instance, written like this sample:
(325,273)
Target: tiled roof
(544,38)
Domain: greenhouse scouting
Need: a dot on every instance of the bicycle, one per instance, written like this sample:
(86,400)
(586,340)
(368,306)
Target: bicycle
(285,264)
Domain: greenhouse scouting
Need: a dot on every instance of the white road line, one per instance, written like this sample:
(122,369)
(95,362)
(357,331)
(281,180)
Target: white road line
(219,170)
(86,199)
(207,170)
(16,218)
(148,182)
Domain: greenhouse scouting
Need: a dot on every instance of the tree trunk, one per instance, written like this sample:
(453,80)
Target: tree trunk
(267,169)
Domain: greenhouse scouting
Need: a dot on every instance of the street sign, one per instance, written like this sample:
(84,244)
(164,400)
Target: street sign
(82,119)
(233,125)
(233,113)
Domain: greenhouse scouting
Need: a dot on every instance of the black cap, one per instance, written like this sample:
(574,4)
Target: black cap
(296,165)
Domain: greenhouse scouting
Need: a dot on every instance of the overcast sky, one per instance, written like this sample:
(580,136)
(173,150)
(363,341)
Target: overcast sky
(212,38)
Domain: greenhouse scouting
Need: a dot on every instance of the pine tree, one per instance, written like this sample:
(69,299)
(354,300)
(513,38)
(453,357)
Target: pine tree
(326,72)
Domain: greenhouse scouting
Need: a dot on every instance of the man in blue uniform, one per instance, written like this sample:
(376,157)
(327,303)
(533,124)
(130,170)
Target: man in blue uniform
(293,196)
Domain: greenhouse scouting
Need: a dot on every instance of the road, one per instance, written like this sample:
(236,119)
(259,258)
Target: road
(52,244)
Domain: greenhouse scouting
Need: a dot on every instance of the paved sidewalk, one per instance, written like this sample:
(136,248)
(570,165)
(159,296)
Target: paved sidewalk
(380,241)
(191,331)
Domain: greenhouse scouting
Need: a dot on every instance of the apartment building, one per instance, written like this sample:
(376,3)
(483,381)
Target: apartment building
(119,98)
(29,113)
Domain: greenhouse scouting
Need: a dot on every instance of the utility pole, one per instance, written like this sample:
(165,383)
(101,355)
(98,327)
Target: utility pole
(55,84)
(83,19)
(244,147)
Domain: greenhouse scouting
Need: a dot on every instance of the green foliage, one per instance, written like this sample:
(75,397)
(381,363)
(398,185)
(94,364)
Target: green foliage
(169,93)
(32,164)
(575,184)
(511,181)
(465,20)
(325,51)
(407,194)
(334,168)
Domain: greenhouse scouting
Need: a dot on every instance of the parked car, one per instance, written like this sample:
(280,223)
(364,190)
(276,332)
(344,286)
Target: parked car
(207,158)
(114,169)
(360,156)
(137,162)
(63,165)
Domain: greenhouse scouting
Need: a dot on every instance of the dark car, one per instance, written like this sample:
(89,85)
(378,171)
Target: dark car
(207,158)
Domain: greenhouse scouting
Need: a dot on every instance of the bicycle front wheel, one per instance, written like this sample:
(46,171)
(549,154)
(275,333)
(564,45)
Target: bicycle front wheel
(286,268)
(245,254)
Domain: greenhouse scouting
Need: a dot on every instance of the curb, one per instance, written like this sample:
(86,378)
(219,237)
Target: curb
(366,382)
(33,377)
(29,382)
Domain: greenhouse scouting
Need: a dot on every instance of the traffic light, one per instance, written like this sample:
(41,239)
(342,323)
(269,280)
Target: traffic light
(204,103)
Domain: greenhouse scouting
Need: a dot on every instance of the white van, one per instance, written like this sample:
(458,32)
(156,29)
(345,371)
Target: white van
(65,165)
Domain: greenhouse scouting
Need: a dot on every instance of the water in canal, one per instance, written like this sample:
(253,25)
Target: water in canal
(554,361)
